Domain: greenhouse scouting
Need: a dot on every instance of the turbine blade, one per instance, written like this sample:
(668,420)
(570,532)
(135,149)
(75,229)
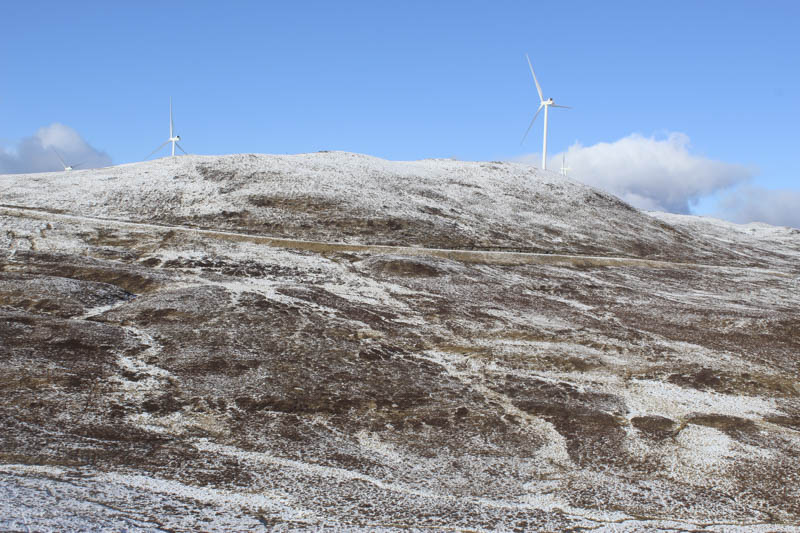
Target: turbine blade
(59,157)
(531,124)
(156,150)
(539,89)
(171,124)
(564,106)
(182,150)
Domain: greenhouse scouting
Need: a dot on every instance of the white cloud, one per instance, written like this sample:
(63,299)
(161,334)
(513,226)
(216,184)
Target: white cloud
(650,173)
(36,153)
(756,204)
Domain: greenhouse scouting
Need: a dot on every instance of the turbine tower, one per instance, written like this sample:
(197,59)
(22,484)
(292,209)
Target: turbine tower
(172,137)
(542,104)
(564,167)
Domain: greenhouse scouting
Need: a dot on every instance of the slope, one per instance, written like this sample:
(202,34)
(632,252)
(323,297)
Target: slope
(156,377)
(344,197)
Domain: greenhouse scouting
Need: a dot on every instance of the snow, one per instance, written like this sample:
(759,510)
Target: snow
(609,306)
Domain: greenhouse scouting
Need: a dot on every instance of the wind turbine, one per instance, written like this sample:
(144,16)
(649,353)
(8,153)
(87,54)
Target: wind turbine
(172,137)
(542,104)
(67,167)
(564,166)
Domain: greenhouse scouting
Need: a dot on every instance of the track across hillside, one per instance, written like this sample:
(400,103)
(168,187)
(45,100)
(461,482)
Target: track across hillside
(489,257)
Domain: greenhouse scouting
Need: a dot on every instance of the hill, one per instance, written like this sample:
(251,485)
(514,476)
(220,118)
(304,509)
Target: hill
(234,342)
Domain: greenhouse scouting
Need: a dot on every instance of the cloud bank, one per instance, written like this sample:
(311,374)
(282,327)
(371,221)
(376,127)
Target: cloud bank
(756,204)
(37,154)
(649,173)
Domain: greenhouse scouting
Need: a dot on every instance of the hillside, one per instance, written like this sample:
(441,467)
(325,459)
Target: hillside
(224,343)
(344,197)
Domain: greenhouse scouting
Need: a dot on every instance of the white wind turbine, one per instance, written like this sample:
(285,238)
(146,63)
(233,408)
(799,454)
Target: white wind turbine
(564,167)
(67,167)
(542,104)
(172,137)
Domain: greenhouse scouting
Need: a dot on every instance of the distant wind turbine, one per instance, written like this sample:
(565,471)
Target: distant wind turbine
(564,166)
(172,137)
(67,167)
(542,104)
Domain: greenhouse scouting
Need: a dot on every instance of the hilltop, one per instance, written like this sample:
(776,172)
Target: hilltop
(345,197)
(242,341)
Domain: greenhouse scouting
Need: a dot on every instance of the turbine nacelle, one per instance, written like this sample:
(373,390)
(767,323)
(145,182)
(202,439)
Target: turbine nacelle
(174,139)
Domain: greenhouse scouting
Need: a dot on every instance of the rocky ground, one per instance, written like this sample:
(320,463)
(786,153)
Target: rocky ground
(332,341)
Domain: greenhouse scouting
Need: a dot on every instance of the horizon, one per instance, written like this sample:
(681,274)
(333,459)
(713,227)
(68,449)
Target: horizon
(417,82)
(167,158)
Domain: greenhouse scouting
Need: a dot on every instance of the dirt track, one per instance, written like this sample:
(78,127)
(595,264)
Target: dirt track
(488,257)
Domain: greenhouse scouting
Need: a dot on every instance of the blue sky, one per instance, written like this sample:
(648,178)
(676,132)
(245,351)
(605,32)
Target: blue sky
(410,80)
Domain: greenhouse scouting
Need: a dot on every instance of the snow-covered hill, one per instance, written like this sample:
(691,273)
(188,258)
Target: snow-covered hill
(344,197)
(156,376)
